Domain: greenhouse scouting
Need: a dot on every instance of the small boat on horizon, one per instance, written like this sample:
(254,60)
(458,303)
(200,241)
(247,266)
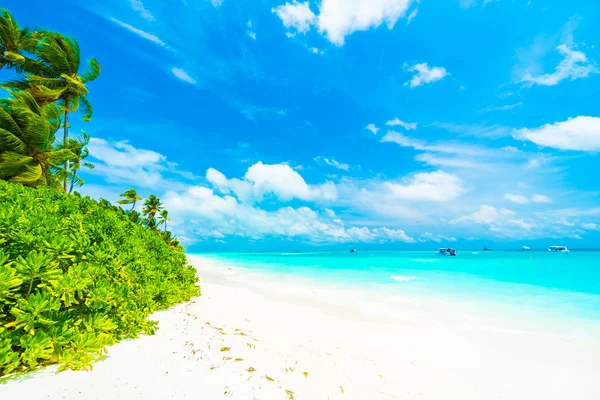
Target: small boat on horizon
(558,249)
(525,248)
(486,249)
(353,251)
(447,251)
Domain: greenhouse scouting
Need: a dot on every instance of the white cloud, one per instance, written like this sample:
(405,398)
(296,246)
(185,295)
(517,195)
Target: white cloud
(296,15)
(435,186)
(333,163)
(409,126)
(485,215)
(339,18)
(412,15)
(427,236)
(122,162)
(579,133)
(500,108)
(252,35)
(590,226)
(373,128)
(438,147)
(540,198)
(280,180)
(425,74)
(470,3)
(182,75)
(138,6)
(520,223)
(215,216)
(516,198)
(139,32)
(574,65)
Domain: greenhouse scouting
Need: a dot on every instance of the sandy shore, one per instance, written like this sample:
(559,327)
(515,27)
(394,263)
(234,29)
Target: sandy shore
(254,336)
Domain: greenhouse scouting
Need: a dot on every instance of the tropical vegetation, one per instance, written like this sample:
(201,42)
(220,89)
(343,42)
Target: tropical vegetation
(76,275)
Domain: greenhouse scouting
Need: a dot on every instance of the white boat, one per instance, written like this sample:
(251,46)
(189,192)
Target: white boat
(558,249)
(446,251)
(525,248)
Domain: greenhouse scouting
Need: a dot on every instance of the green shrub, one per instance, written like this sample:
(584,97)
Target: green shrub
(76,277)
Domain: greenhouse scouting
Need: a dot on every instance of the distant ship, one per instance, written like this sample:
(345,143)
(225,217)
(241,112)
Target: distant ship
(446,251)
(353,251)
(486,249)
(525,248)
(558,249)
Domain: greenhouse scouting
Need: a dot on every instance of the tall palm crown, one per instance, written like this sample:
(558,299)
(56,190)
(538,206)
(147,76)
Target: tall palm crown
(60,81)
(27,151)
(152,206)
(78,146)
(130,196)
(164,218)
(13,41)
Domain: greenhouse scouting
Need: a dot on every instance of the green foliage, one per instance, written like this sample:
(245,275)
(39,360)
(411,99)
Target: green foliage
(77,276)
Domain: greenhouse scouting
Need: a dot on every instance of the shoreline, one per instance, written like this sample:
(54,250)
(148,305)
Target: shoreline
(254,335)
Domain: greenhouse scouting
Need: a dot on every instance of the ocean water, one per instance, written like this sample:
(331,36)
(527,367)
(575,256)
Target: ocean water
(566,284)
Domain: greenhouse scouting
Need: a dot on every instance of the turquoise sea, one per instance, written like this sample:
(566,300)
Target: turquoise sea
(550,283)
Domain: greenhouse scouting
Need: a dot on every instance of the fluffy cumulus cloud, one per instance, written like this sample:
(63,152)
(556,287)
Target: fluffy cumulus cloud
(120,162)
(295,15)
(424,74)
(574,65)
(337,19)
(435,186)
(409,126)
(579,133)
(373,128)
(210,215)
(279,180)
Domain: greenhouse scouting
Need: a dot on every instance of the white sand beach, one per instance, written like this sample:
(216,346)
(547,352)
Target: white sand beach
(259,336)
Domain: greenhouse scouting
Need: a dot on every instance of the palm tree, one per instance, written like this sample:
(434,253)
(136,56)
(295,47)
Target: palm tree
(78,146)
(61,81)
(130,196)
(152,206)
(164,218)
(134,216)
(27,151)
(13,41)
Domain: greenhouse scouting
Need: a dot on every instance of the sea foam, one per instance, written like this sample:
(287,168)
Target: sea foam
(401,278)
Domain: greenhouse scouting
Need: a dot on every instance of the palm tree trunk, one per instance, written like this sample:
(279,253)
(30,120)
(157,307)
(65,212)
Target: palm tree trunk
(3,64)
(65,138)
(133,206)
(72,182)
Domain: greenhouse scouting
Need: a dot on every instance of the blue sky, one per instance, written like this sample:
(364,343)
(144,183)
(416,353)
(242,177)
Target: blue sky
(346,123)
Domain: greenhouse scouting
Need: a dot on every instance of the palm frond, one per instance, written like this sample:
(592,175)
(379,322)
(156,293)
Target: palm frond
(93,71)
(86,108)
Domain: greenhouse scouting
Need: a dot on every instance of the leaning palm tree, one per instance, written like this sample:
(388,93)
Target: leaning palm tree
(129,196)
(164,218)
(62,81)
(152,206)
(27,151)
(13,41)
